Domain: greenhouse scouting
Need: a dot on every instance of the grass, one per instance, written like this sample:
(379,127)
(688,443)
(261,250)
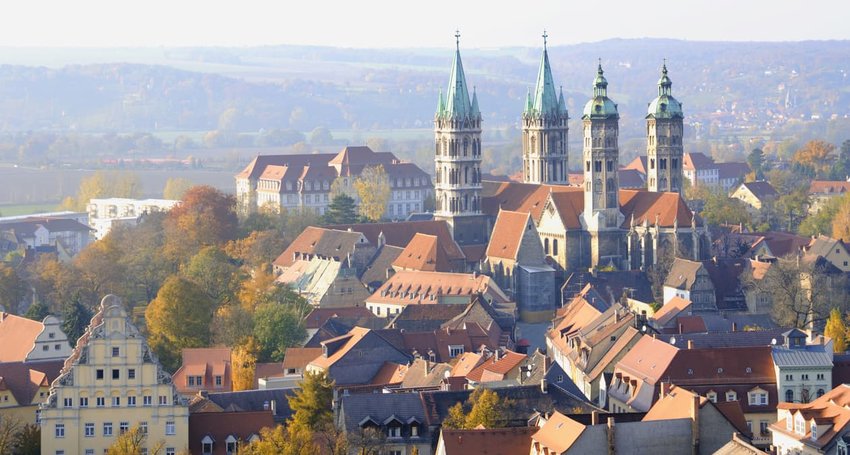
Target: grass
(27,209)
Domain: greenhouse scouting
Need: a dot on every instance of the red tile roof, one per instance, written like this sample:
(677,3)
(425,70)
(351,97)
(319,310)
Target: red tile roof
(559,433)
(219,425)
(493,441)
(17,337)
(670,310)
(829,187)
(507,234)
(425,253)
(298,358)
(413,287)
(206,362)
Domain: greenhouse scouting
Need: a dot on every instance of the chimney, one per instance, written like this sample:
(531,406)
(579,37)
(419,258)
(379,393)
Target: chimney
(734,326)
(663,389)
(427,364)
(695,424)
(681,327)
(594,418)
(274,407)
(544,386)
(690,344)
(612,449)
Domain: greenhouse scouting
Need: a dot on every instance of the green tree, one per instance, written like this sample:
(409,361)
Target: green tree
(179,317)
(37,311)
(28,440)
(756,162)
(821,222)
(12,288)
(277,327)
(721,209)
(231,325)
(321,136)
(342,210)
(311,403)
(373,189)
(176,188)
(836,330)
(216,273)
(75,318)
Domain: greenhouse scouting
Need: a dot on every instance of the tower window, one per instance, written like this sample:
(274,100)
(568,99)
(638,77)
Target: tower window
(662,163)
(610,166)
(674,164)
(587,166)
(597,166)
(652,163)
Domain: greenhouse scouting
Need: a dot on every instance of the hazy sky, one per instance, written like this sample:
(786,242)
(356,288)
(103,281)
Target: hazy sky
(404,23)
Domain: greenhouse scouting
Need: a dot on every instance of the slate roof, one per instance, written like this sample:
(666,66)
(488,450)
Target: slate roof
(697,161)
(804,356)
(256,400)
(321,242)
(760,189)
(355,408)
(380,267)
(738,338)
(417,318)
(318,316)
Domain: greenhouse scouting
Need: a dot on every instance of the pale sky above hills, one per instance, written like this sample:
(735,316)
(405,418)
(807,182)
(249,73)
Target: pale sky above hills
(406,23)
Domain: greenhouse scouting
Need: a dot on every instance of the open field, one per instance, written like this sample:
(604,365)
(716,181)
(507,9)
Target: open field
(27,209)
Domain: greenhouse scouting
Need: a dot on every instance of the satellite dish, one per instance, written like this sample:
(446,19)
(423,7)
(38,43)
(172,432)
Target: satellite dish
(773,341)
(673,340)
(446,374)
(643,328)
(528,373)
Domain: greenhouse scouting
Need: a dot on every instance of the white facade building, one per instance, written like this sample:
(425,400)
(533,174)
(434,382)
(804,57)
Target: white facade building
(106,213)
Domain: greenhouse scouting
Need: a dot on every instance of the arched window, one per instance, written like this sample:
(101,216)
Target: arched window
(546,246)
(554,247)
(820,393)
(789,396)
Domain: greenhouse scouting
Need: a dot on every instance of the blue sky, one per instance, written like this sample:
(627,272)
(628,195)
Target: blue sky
(406,23)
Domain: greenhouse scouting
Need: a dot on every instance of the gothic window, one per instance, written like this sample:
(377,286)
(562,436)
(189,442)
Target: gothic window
(609,166)
(674,164)
(437,148)
(663,182)
(598,188)
(587,166)
(597,166)
(465,202)
(554,247)
(546,246)
(465,174)
(652,163)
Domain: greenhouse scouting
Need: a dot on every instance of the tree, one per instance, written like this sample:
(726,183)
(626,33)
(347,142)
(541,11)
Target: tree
(244,361)
(179,317)
(373,189)
(756,162)
(133,442)
(311,403)
(836,330)
(841,219)
(231,325)
(294,440)
(815,155)
(216,273)
(342,210)
(75,318)
(176,188)
(12,288)
(822,221)
(100,270)
(456,420)
(277,327)
(105,184)
(53,281)
(486,409)
(28,440)
(205,217)
(258,249)
(9,427)
(721,209)
(37,311)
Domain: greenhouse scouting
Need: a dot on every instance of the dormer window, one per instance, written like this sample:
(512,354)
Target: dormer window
(711,396)
(394,431)
(799,424)
(814,429)
(731,396)
(206,445)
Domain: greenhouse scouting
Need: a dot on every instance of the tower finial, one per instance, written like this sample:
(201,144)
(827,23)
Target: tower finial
(664,66)
(545,36)
(599,68)
(457,39)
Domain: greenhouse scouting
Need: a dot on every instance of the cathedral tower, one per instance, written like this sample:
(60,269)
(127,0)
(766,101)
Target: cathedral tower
(664,152)
(544,130)
(457,134)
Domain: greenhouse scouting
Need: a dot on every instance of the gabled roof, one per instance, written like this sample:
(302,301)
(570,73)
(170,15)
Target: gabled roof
(749,364)
(17,337)
(648,359)
(356,408)
(682,274)
(831,410)
(418,318)
(670,310)
(24,379)
(298,358)
(413,287)
(823,245)
(256,400)
(559,433)
(341,345)
(732,170)
(380,266)
(760,189)
(665,209)
(425,253)
(496,366)
(697,161)
(829,187)
(401,233)
(506,237)
(490,441)
(637,164)
(322,242)
(318,316)
(219,425)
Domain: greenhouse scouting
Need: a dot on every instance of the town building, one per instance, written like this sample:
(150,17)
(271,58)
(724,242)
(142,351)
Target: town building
(104,214)
(24,386)
(819,427)
(110,383)
(690,280)
(62,235)
(25,340)
(803,367)
(356,357)
(755,194)
(823,191)
(303,181)
(485,440)
(207,369)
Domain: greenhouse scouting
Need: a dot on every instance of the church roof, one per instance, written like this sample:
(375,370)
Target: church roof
(600,106)
(664,105)
(507,234)
(457,103)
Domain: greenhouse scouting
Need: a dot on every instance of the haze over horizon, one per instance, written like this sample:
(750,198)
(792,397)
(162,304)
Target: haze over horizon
(388,24)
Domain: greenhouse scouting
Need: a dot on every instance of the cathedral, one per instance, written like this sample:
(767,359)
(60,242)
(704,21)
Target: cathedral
(593,225)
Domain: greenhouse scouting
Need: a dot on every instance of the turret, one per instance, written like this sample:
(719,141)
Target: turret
(664,127)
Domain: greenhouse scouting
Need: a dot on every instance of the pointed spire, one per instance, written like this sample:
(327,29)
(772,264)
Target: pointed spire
(529,103)
(600,84)
(545,98)
(441,103)
(475,111)
(664,84)
(562,104)
(457,96)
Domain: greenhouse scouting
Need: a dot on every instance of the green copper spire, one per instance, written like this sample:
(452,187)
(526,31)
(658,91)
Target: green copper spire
(562,105)
(457,96)
(441,103)
(664,105)
(475,111)
(545,97)
(529,102)
(600,106)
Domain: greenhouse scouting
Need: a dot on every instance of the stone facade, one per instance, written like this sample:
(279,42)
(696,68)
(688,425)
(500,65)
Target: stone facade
(664,129)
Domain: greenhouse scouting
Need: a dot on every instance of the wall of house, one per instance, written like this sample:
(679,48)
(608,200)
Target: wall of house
(638,438)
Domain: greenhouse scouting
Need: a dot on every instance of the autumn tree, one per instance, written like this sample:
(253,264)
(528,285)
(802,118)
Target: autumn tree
(244,361)
(179,317)
(815,155)
(13,288)
(311,403)
(456,419)
(485,409)
(369,441)
(205,217)
(342,210)
(9,427)
(133,442)
(277,327)
(176,187)
(257,250)
(822,221)
(104,184)
(836,330)
(75,319)
(143,258)
(373,189)
(231,325)
(841,219)
(100,269)
(53,281)
(292,440)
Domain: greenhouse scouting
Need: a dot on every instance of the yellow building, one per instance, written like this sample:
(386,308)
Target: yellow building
(112,382)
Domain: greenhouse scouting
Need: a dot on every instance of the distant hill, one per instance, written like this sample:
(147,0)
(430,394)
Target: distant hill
(754,85)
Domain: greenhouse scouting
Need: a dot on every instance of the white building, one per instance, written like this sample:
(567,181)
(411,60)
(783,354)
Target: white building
(803,369)
(106,213)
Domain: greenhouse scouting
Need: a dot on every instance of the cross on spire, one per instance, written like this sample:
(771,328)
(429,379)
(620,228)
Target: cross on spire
(457,39)
(545,36)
